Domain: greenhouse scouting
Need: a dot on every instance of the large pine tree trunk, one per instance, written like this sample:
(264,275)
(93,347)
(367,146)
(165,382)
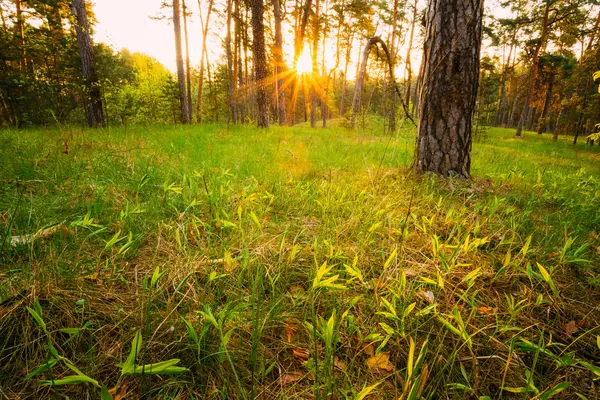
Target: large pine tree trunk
(183,103)
(448,86)
(95,116)
(260,63)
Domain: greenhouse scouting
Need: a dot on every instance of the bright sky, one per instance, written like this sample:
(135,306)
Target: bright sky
(129,24)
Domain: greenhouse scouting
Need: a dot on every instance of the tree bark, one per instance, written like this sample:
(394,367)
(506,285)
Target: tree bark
(184,106)
(204,26)
(448,88)
(95,116)
(260,63)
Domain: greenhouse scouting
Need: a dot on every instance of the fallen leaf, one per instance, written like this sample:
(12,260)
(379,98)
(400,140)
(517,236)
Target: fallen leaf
(301,354)
(369,349)
(486,310)
(289,332)
(291,377)
(427,296)
(119,392)
(339,364)
(571,328)
(380,362)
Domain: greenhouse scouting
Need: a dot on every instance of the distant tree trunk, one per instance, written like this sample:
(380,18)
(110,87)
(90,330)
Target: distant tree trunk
(448,88)
(408,51)
(86,52)
(260,63)
(345,78)
(542,123)
(503,77)
(314,98)
(279,64)
(204,25)
(179,60)
(298,46)
(230,66)
(188,72)
(393,52)
(534,70)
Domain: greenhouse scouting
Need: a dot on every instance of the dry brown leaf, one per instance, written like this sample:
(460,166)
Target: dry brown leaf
(339,364)
(486,310)
(290,377)
(119,392)
(427,296)
(380,362)
(570,328)
(301,354)
(289,332)
(369,349)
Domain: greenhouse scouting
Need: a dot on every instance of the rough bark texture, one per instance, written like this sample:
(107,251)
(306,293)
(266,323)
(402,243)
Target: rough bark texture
(95,116)
(448,86)
(179,60)
(260,63)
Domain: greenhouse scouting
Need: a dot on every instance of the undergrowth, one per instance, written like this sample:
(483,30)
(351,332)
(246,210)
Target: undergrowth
(294,263)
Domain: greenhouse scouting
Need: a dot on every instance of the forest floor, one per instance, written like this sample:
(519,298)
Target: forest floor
(293,264)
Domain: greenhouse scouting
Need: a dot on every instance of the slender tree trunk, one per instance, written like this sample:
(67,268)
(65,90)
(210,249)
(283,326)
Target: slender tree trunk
(448,89)
(408,51)
(504,76)
(298,46)
(260,63)
(542,123)
(279,64)
(345,78)
(534,69)
(184,106)
(95,116)
(188,71)
(204,24)
(314,98)
(230,66)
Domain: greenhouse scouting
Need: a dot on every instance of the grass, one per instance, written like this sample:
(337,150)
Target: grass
(294,263)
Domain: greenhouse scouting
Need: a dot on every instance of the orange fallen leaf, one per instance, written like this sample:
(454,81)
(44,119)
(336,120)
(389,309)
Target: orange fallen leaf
(290,377)
(339,364)
(570,328)
(380,362)
(301,354)
(119,392)
(289,332)
(369,349)
(486,310)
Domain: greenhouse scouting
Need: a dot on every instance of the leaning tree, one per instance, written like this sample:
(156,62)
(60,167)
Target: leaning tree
(448,86)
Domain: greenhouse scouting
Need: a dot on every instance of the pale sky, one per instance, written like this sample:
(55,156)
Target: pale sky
(129,24)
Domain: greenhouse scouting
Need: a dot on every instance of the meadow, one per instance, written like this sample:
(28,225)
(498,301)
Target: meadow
(237,263)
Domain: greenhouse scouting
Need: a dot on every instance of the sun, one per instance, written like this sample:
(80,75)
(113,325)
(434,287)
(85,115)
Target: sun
(304,65)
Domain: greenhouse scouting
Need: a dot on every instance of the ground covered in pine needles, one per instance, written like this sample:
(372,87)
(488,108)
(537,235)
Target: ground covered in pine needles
(233,263)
